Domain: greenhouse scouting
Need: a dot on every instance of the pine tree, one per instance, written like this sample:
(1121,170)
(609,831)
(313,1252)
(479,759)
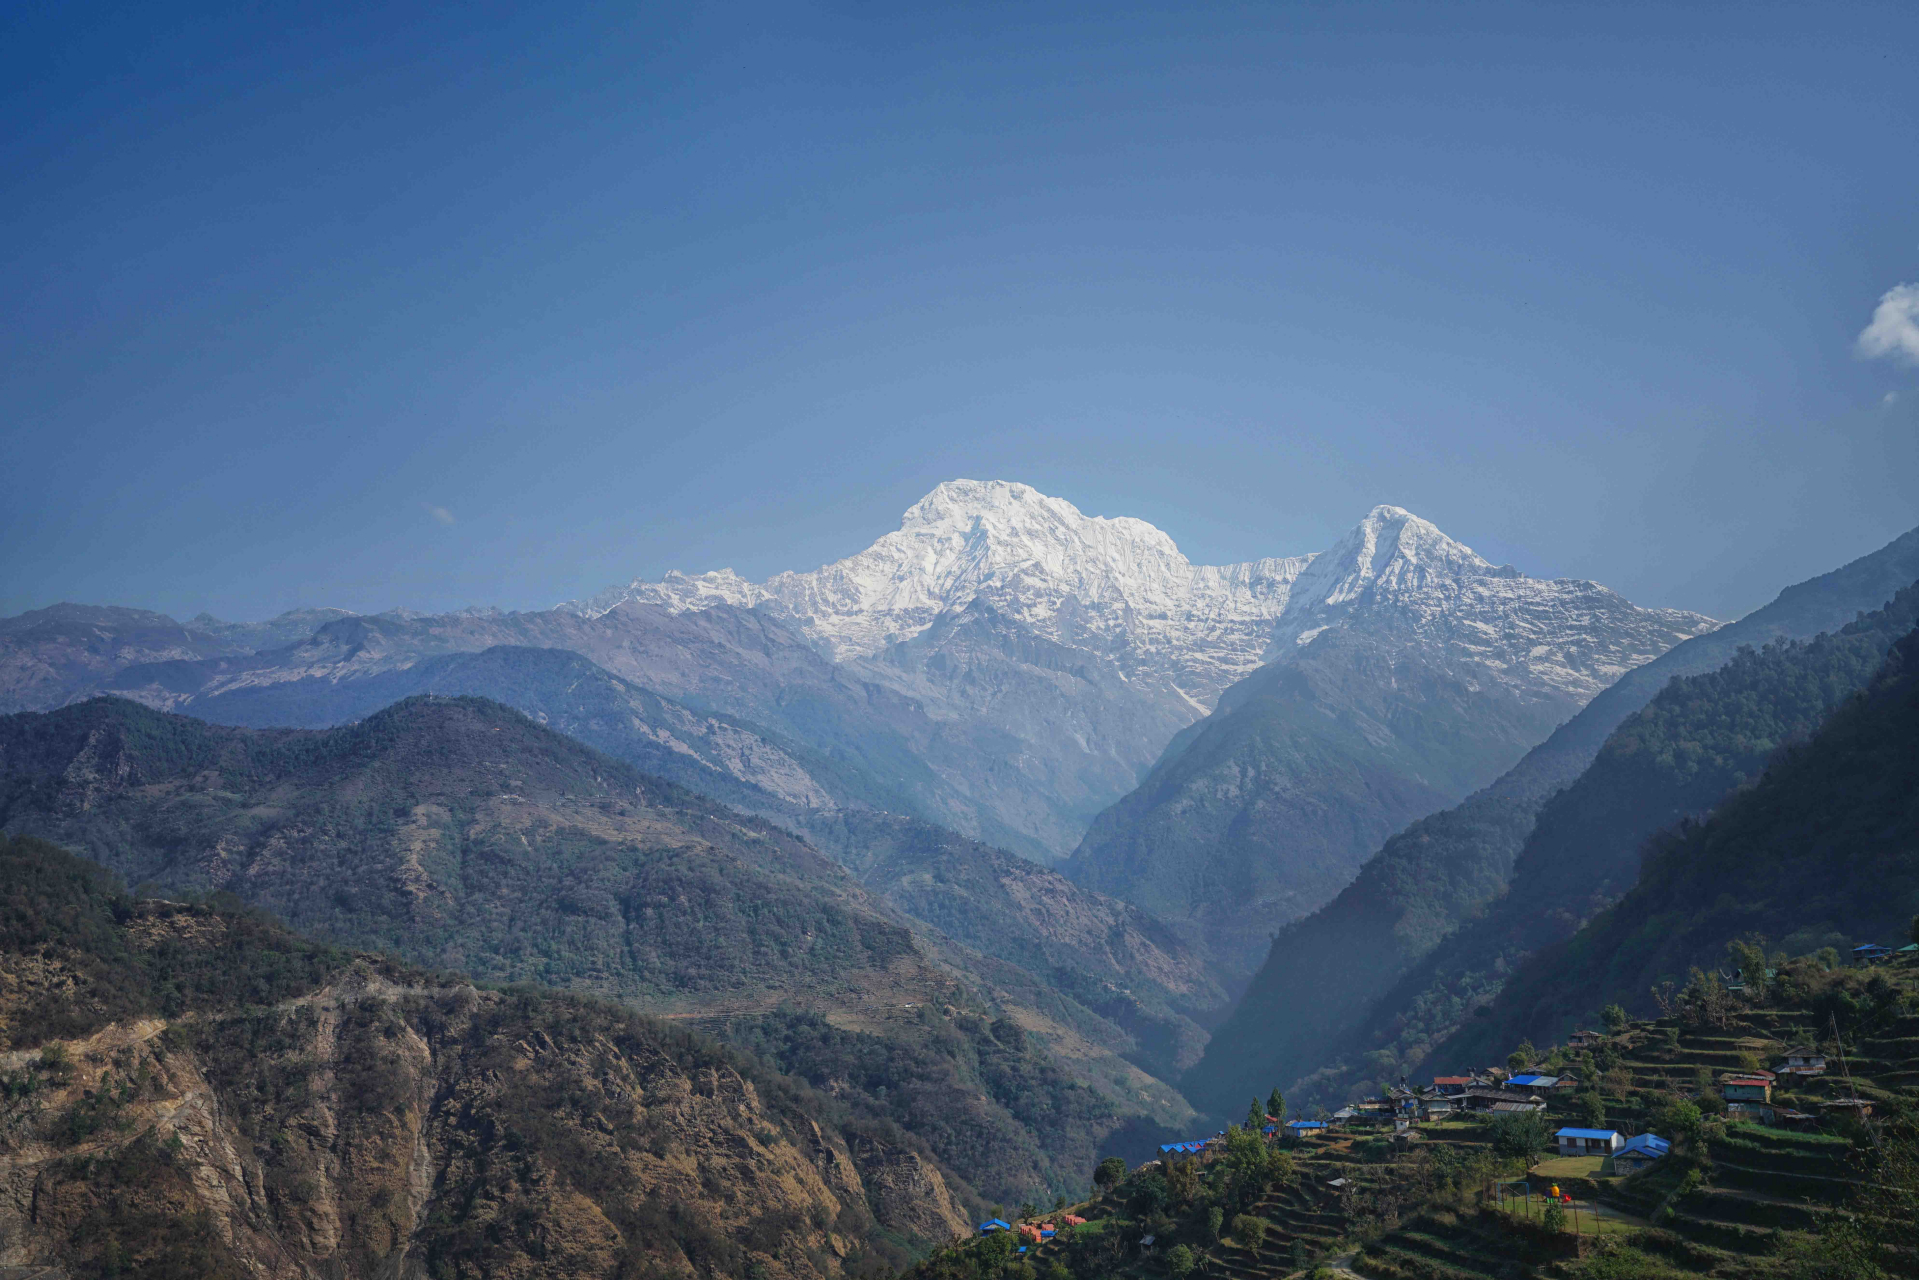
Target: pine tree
(1276,1105)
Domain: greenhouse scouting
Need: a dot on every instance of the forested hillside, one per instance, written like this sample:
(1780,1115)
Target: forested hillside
(192,1092)
(1361,976)
(1699,740)
(458,833)
(1822,851)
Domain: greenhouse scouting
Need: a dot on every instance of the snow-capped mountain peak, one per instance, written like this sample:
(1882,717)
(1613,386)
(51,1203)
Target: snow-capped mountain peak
(1120,586)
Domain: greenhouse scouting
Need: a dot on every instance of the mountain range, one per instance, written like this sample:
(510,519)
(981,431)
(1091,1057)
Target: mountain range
(1010,669)
(1206,755)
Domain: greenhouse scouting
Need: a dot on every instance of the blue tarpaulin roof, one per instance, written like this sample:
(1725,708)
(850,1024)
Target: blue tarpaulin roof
(1587,1133)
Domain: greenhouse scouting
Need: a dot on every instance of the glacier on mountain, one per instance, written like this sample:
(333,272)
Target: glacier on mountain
(1119,587)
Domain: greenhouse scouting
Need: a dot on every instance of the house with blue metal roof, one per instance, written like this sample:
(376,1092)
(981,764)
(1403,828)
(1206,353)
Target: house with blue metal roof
(991,1225)
(1533,1082)
(1636,1154)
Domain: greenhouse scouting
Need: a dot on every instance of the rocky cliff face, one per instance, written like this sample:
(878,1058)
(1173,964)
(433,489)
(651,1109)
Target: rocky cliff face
(370,1120)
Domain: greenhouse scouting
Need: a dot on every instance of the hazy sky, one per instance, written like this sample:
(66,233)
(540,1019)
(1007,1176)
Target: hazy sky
(441,305)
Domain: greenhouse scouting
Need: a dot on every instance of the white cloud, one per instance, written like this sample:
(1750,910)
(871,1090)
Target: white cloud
(1892,398)
(1894,331)
(440,513)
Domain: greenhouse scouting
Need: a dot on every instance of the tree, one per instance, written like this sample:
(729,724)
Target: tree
(1592,1109)
(1554,1218)
(1276,1105)
(1249,1231)
(1614,1016)
(1913,933)
(1215,1221)
(1255,1118)
(1676,1120)
(1111,1172)
(1522,1057)
(1750,961)
(1182,1179)
(1180,1261)
(997,1250)
(1523,1134)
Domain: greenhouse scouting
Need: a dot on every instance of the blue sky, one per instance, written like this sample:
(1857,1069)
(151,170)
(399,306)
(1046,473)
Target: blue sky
(456,305)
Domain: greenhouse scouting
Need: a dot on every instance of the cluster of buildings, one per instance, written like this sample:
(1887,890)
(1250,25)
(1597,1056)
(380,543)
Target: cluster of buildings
(1031,1232)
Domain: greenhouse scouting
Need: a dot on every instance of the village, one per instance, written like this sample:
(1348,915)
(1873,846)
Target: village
(1717,1142)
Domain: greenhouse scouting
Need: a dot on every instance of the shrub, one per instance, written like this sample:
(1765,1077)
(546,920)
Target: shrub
(1249,1231)
(1180,1261)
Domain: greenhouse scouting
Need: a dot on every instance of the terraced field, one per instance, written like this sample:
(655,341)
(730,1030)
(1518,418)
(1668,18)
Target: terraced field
(1722,1205)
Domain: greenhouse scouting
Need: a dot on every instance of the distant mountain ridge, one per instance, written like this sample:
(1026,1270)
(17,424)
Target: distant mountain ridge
(1002,664)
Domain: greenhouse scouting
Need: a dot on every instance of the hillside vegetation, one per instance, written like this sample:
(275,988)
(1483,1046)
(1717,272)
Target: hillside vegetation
(193,1092)
(459,834)
(1823,850)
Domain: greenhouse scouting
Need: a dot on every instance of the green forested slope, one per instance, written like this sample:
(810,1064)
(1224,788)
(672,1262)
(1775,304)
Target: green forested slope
(1824,847)
(735,762)
(1355,978)
(459,833)
(1701,738)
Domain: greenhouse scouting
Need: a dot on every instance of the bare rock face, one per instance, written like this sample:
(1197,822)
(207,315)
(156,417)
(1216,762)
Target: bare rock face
(387,1124)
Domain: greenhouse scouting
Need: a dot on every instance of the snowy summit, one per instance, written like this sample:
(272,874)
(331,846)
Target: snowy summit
(1119,587)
